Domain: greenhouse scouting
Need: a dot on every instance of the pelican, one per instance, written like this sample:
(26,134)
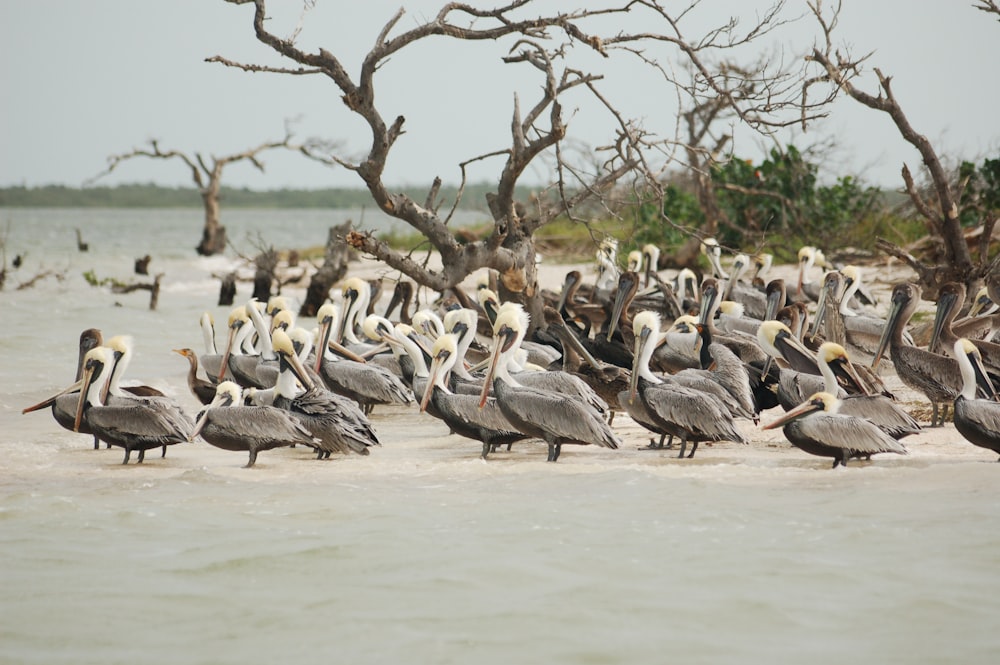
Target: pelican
(229,425)
(552,416)
(808,257)
(742,344)
(211,360)
(634,261)
(978,420)
(937,377)
(64,402)
(402,296)
(242,367)
(752,299)
(856,293)
(878,409)
(607,268)
(951,297)
(983,303)
(367,384)
(204,391)
(133,424)
(711,249)
(462,413)
(650,262)
(817,427)
(676,410)
(428,323)
(686,281)
(336,423)
(356,295)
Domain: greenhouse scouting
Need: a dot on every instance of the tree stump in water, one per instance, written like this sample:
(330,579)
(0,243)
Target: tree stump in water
(227,292)
(332,271)
(142,265)
(262,285)
(80,244)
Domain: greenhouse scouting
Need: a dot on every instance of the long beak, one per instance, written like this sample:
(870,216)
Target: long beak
(633,380)
(626,286)
(198,426)
(298,370)
(48,402)
(820,312)
(708,296)
(325,328)
(346,314)
(800,411)
(435,370)
(488,382)
(944,306)
(86,380)
(774,303)
(844,369)
(229,349)
(982,378)
(890,325)
(572,277)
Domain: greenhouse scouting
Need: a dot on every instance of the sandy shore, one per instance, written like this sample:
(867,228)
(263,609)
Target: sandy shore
(416,443)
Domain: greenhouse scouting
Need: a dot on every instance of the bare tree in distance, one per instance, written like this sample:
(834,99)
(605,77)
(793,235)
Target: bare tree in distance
(549,45)
(941,213)
(206,173)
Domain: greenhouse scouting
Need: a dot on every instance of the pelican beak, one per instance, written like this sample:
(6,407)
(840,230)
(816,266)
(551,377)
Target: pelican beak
(87,378)
(435,370)
(352,296)
(325,328)
(233,329)
(198,426)
(982,378)
(633,381)
(892,320)
(844,369)
(503,340)
(48,402)
(626,286)
(708,296)
(773,303)
(944,306)
(801,411)
(298,370)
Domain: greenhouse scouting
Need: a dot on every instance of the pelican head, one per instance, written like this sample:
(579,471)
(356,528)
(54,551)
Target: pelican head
(903,301)
(277,304)
(817,402)
(763,263)
(428,322)
(283,319)
(490,302)
(982,303)
(444,353)
(509,329)
(710,248)
(227,393)
(974,375)
(835,357)
(284,345)
(96,369)
(634,262)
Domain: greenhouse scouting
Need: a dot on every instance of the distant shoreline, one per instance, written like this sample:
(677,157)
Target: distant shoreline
(149,195)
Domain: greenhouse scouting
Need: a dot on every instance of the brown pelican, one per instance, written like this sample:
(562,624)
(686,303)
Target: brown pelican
(937,377)
(336,423)
(878,409)
(402,297)
(951,297)
(742,344)
(229,425)
(133,424)
(461,412)
(204,391)
(368,384)
(749,297)
(676,410)
(607,269)
(356,294)
(778,341)
(555,417)
(978,420)
(650,263)
(634,261)
(243,368)
(64,403)
(211,360)
(817,427)
(983,303)
(713,252)
(806,288)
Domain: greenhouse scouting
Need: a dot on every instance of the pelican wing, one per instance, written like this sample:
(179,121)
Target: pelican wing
(853,434)
(140,422)
(466,408)
(260,423)
(562,416)
(565,384)
(697,412)
(881,412)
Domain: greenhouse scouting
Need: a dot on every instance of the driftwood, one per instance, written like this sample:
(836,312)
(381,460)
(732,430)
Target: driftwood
(227,292)
(80,244)
(333,269)
(153,288)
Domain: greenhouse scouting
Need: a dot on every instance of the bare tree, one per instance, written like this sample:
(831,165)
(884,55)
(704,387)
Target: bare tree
(941,212)
(538,129)
(206,173)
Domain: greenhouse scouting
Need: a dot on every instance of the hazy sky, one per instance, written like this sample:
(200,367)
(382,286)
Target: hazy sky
(83,80)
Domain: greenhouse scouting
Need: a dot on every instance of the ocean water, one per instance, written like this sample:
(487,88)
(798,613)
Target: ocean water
(424,553)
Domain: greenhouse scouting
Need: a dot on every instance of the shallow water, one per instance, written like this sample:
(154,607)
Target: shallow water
(422,552)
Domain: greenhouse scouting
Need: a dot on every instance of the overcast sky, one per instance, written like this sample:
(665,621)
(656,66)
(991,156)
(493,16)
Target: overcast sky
(83,80)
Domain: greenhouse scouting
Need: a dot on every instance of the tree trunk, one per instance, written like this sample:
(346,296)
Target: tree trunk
(213,236)
(333,270)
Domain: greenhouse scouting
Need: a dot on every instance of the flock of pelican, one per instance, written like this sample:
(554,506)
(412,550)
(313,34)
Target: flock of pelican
(684,359)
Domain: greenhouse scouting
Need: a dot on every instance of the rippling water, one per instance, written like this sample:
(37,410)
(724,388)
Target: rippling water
(424,553)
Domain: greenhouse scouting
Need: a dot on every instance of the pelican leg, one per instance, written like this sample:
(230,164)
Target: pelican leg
(934,416)
(487,449)
(693,448)
(253,458)
(142,456)
(164,453)
(611,417)
(127,453)
(684,443)
(97,443)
